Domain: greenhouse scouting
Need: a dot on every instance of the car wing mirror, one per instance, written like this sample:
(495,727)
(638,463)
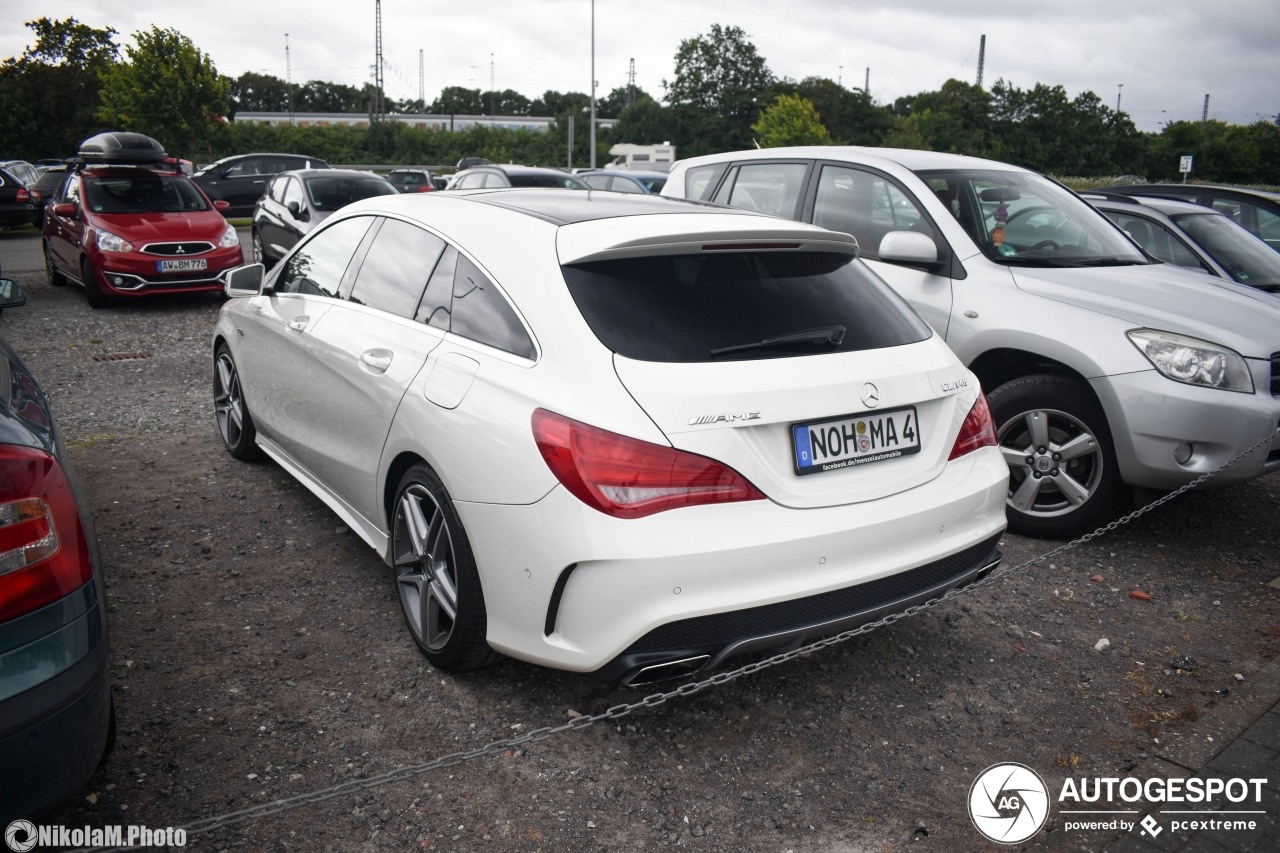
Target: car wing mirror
(221,205)
(66,209)
(908,247)
(295,208)
(244,281)
(11,294)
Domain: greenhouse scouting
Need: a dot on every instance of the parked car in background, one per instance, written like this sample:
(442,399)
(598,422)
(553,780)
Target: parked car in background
(16,209)
(515,176)
(242,179)
(1257,211)
(125,229)
(624,182)
(22,170)
(56,720)
(540,409)
(297,202)
(43,189)
(1103,369)
(1194,237)
(412,180)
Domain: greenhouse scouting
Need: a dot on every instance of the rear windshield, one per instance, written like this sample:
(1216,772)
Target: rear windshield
(732,306)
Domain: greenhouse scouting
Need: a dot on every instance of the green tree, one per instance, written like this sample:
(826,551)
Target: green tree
(850,116)
(256,93)
(722,73)
(168,89)
(456,100)
(613,104)
(49,95)
(956,118)
(790,120)
(319,96)
(645,122)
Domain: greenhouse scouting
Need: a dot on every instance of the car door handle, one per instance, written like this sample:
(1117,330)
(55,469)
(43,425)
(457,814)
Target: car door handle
(299,324)
(376,360)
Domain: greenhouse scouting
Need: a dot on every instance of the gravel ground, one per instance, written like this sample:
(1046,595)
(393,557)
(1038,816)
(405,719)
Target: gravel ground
(258,653)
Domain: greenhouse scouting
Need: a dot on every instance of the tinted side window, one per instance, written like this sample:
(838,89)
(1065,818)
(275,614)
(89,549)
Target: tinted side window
(865,205)
(480,312)
(317,268)
(396,267)
(293,192)
(697,181)
(772,188)
(437,301)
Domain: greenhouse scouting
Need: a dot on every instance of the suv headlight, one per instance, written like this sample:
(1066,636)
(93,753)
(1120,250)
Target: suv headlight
(1194,361)
(108,242)
(229,238)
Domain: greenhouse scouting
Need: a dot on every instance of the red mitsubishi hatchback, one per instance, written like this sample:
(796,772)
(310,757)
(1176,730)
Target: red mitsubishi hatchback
(124,224)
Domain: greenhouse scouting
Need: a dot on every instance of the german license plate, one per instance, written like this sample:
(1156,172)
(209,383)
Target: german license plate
(855,440)
(182,265)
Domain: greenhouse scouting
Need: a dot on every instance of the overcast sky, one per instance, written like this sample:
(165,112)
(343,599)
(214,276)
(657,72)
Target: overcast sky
(1168,55)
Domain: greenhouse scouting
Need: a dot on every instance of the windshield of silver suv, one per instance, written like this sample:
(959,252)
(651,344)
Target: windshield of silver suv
(1026,219)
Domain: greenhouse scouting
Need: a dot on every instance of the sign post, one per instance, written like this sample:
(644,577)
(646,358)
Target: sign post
(1185,167)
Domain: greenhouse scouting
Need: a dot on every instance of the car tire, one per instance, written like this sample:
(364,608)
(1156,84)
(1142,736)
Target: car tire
(51,271)
(235,424)
(1063,476)
(436,578)
(93,293)
(260,252)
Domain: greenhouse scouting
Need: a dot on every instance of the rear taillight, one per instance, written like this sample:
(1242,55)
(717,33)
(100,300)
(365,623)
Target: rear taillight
(628,478)
(977,431)
(24,195)
(44,554)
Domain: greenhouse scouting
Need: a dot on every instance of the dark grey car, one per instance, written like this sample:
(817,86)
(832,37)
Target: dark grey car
(56,721)
(241,180)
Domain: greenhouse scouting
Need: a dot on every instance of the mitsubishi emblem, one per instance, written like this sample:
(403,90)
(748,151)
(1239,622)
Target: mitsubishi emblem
(181,251)
(870,395)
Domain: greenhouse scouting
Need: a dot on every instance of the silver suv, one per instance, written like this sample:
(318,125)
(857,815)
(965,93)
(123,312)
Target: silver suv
(1104,369)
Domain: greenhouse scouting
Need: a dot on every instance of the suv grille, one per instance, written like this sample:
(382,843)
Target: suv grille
(172,249)
(1275,374)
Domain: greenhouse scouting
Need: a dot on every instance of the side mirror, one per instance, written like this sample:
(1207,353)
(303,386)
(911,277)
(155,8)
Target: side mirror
(908,247)
(295,208)
(244,281)
(66,210)
(221,205)
(11,295)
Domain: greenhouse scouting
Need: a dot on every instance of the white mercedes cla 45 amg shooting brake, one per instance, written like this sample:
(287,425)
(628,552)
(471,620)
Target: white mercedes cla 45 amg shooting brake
(610,433)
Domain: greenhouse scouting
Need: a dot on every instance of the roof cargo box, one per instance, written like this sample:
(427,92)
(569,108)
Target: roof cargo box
(120,147)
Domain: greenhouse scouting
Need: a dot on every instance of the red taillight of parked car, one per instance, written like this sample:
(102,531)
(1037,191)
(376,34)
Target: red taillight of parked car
(44,554)
(24,195)
(977,431)
(628,478)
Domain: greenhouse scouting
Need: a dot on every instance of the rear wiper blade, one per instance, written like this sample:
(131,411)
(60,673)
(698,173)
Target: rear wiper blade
(831,335)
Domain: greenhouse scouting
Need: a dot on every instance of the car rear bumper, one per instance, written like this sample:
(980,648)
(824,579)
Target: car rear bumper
(569,587)
(1151,417)
(54,732)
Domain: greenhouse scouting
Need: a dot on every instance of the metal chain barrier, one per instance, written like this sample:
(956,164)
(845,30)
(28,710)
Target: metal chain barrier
(654,700)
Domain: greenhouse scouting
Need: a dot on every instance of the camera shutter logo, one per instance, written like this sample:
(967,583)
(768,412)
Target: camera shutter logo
(20,836)
(1008,803)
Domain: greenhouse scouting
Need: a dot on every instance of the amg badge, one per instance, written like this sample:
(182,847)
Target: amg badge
(698,420)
